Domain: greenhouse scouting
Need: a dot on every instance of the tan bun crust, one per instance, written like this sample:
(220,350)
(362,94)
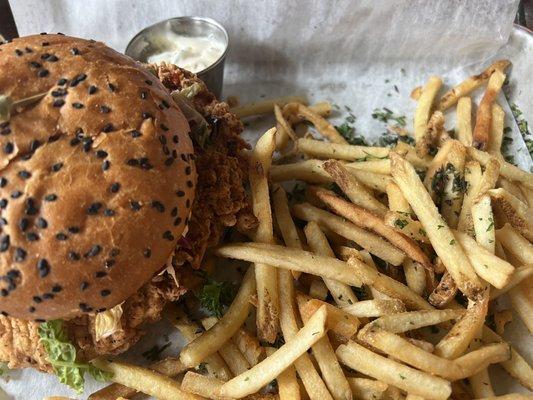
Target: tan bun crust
(96,179)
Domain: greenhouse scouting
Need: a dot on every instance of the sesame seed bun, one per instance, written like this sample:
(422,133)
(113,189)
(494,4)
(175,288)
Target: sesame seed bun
(96,178)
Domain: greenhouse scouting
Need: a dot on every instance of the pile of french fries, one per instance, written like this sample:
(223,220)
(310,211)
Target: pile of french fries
(411,326)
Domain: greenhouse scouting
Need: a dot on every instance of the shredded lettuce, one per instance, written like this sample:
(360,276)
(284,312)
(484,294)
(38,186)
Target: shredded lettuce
(62,356)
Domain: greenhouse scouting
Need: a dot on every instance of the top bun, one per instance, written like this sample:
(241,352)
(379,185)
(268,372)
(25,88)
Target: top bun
(96,178)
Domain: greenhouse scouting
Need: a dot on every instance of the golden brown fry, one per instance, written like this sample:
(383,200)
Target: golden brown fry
(381,167)
(521,297)
(367,389)
(520,273)
(514,243)
(483,220)
(407,226)
(284,129)
(403,322)
(415,276)
(464,121)
(484,111)
(249,346)
(374,308)
(323,126)
(423,111)
(367,240)
(471,83)
(514,189)
(396,200)
(201,385)
(444,292)
(353,189)
(472,178)
(347,152)
(439,234)
(494,144)
(365,219)
(517,212)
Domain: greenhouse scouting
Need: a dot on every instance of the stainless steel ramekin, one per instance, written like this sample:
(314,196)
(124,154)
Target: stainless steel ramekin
(141,46)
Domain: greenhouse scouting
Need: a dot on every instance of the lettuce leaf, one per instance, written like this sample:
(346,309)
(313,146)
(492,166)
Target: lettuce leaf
(62,356)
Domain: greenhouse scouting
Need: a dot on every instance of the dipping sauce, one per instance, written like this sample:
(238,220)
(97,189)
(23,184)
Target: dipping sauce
(191,53)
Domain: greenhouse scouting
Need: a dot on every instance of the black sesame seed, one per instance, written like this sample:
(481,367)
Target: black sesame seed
(163,139)
(132,162)
(47,296)
(28,50)
(144,95)
(5,314)
(165,103)
(145,163)
(135,205)
(101,154)
(190,184)
(164,127)
(3,203)
(149,82)
(23,224)
(52,58)
(180,193)
(35,64)
(32,237)
(31,209)
(19,52)
(135,134)
(56,167)
(31,309)
(45,56)
(3,182)
(174,212)
(58,103)
(94,208)
(35,145)
(169,161)
(79,78)
(87,145)
(3,222)
(175,139)
(146,115)
(92,89)
(57,288)
(4,292)
(147,253)
(74,142)
(107,128)
(61,236)
(41,223)
(166,150)
(77,105)
(43,267)
(105,109)
(44,44)
(188,203)
(105,293)
(188,170)
(174,154)
(26,156)
(84,286)
(100,274)
(108,212)
(37,299)
(111,87)
(177,221)
(5,131)
(50,197)
(158,206)
(73,256)
(62,81)
(184,157)
(109,263)
(8,148)
(105,165)
(115,187)
(168,235)
(93,251)
(74,51)
(43,73)
(85,308)
(24,174)
(16,194)
(20,254)
(73,229)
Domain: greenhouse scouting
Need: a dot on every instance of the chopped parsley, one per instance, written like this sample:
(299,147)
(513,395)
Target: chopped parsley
(369,157)
(401,223)
(347,131)
(214,295)
(385,115)
(491,224)
(523,127)
(154,353)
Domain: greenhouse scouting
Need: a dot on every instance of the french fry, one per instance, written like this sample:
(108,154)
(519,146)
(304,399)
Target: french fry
(520,273)
(365,256)
(514,243)
(288,386)
(516,211)
(229,352)
(341,293)
(201,385)
(452,194)
(308,171)
(484,111)
(326,150)
(472,178)
(369,241)
(444,292)
(516,366)
(338,321)
(397,202)
(521,297)
(365,219)
(439,163)
(169,366)
(488,266)
(423,112)
(265,275)
(374,308)
(249,346)
(144,380)
(439,234)
(494,144)
(322,125)
(376,166)
(468,85)
(353,189)
(527,194)
(514,189)
(367,389)
(313,383)
(329,366)
(507,170)
(456,341)
(409,152)
(415,276)
(284,129)
(403,322)
(212,340)
(214,363)
(265,107)
(404,224)
(318,289)
(483,220)
(268,369)
(464,121)
(391,372)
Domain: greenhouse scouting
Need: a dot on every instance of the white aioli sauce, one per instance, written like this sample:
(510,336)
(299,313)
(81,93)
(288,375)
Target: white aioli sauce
(191,53)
